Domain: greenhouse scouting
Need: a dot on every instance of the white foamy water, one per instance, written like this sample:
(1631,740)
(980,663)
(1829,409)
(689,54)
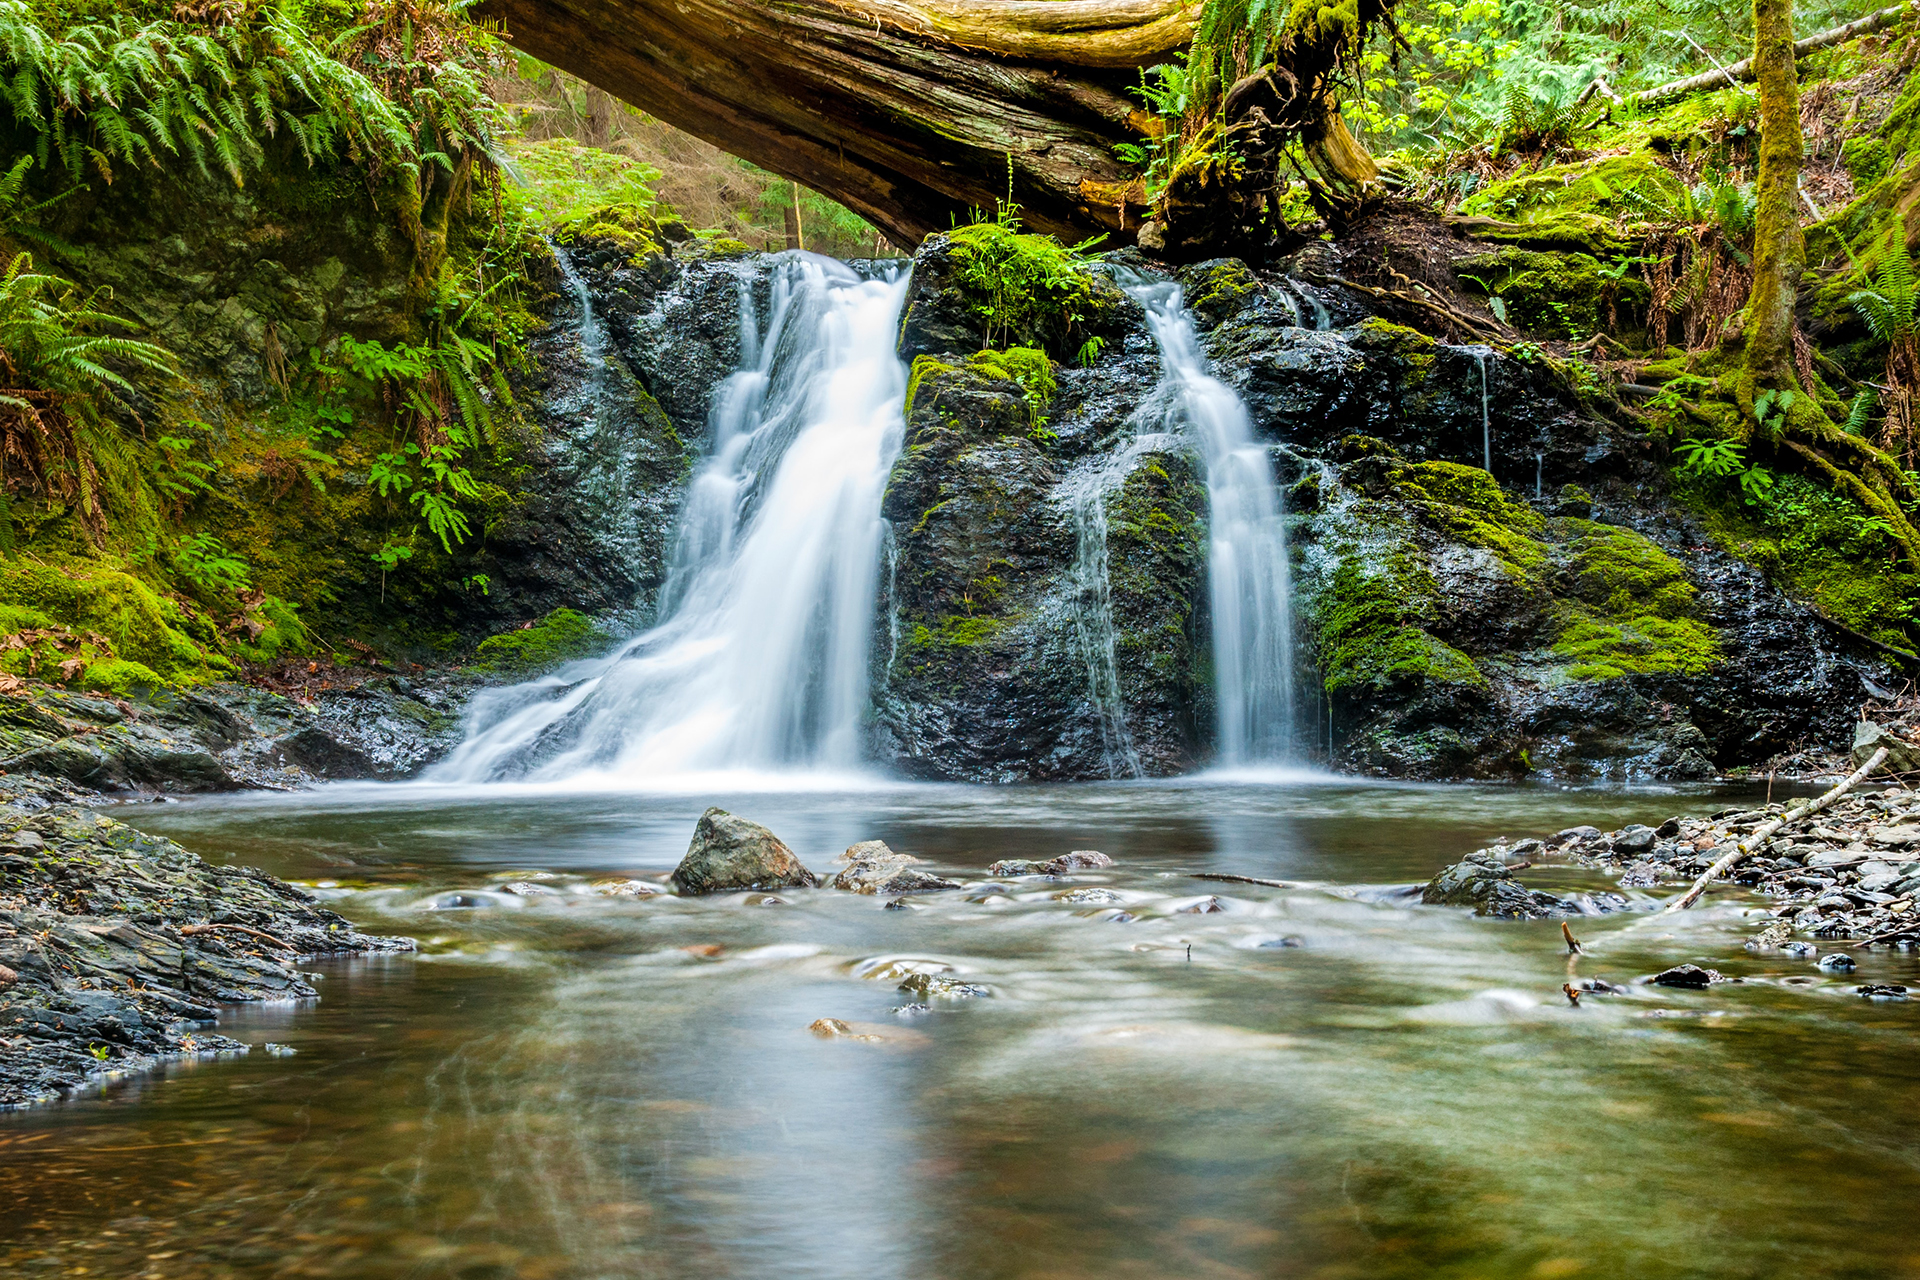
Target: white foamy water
(1247,568)
(759,661)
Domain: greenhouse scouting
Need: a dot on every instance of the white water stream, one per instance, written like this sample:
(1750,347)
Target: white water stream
(1247,570)
(759,660)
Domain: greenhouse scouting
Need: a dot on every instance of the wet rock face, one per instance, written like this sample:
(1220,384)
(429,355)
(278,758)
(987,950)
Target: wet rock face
(116,946)
(730,854)
(992,627)
(870,867)
(621,391)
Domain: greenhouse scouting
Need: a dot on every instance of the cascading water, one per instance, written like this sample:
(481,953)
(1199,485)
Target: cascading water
(1085,495)
(759,660)
(1247,568)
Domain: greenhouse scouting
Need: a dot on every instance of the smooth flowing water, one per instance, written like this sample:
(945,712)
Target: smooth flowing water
(579,1088)
(760,659)
(1247,569)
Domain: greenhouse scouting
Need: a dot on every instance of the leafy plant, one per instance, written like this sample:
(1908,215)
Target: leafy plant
(56,375)
(1892,315)
(209,565)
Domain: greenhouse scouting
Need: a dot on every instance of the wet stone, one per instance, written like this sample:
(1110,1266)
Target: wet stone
(1574,834)
(1689,976)
(1634,840)
(1882,991)
(1836,962)
(1205,907)
(1087,896)
(1286,942)
(528,889)
(731,853)
(938,986)
(873,868)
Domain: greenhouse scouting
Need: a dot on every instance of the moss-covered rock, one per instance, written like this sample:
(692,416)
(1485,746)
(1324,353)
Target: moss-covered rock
(1556,295)
(561,636)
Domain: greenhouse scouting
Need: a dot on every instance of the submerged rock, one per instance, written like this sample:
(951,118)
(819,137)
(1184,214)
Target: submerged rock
(938,986)
(871,867)
(1690,976)
(730,853)
(1489,887)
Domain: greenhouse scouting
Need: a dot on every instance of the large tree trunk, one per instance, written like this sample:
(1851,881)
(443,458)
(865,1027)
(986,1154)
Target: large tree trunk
(1779,247)
(908,113)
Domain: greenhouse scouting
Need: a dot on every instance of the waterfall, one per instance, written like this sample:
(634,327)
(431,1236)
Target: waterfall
(759,659)
(1247,571)
(1085,495)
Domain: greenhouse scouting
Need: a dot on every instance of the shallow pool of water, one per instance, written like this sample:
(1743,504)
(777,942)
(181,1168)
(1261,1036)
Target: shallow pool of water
(581,1088)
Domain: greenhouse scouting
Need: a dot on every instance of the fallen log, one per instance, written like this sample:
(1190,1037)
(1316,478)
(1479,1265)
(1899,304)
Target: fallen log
(1767,831)
(1742,71)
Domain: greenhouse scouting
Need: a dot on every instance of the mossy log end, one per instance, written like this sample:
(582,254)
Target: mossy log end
(909,112)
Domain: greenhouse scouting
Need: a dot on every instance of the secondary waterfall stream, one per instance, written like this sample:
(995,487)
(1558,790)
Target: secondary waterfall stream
(1247,570)
(759,658)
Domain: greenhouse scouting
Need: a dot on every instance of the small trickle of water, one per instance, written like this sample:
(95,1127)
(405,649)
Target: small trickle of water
(1085,494)
(1486,415)
(760,659)
(1539,476)
(1247,567)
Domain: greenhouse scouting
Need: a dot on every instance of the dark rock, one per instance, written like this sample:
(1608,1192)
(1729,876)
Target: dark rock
(1488,886)
(1078,860)
(1687,975)
(113,939)
(1668,829)
(1601,987)
(1882,991)
(1288,941)
(1634,840)
(730,853)
(1836,962)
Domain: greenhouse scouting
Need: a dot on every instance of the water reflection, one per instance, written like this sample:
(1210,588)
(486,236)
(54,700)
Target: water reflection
(584,1088)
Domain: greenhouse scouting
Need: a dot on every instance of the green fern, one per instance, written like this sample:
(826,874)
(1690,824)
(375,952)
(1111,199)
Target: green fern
(112,94)
(1890,310)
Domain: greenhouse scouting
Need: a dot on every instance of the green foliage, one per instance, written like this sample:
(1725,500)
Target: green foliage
(1717,458)
(1889,310)
(561,636)
(209,565)
(118,92)
(1027,290)
(135,623)
(565,182)
(1027,366)
(1530,123)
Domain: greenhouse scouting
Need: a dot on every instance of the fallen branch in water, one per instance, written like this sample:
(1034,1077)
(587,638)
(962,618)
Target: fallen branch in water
(1220,875)
(1573,944)
(1767,831)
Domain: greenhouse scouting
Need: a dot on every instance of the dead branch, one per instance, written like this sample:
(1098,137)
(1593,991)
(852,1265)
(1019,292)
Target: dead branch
(1766,832)
(1743,70)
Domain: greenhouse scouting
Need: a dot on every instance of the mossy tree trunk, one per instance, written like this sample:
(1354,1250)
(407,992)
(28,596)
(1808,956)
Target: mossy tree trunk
(909,112)
(1779,247)
(1801,433)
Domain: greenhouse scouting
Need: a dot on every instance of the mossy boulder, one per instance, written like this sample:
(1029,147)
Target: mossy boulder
(1556,295)
(562,636)
(989,286)
(116,622)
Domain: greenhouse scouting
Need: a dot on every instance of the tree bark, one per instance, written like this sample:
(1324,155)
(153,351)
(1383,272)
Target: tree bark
(1779,247)
(909,112)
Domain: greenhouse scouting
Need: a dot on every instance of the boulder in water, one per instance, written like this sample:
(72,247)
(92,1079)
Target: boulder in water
(871,867)
(1489,887)
(730,853)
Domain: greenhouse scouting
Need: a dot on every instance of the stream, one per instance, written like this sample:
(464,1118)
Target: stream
(1332,1082)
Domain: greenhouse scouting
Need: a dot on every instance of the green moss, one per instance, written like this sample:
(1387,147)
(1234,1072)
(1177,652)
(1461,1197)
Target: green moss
(1580,200)
(1624,574)
(1867,160)
(136,623)
(1561,295)
(632,227)
(1027,366)
(1370,637)
(923,368)
(561,636)
(954,632)
(1221,289)
(1600,650)
(118,676)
